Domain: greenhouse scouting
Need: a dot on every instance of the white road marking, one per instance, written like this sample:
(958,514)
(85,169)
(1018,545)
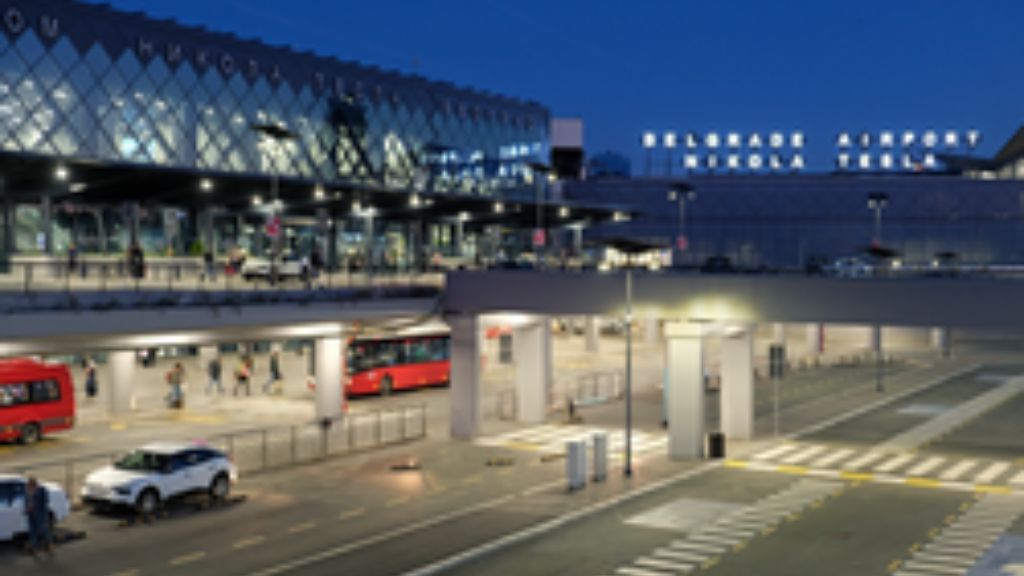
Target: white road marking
(631,571)
(777,451)
(680,555)
(662,564)
(1018,479)
(958,470)
(864,460)
(894,463)
(803,455)
(832,458)
(926,466)
(990,473)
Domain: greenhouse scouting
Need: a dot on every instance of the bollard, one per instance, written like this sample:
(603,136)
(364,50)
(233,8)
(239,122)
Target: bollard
(576,464)
(600,457)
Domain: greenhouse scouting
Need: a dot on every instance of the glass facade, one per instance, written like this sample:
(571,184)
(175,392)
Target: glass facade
(75,94)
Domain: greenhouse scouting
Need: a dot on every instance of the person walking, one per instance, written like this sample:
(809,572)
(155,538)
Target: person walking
(208,275)
(72,259)
(91,385)
(213,370)
(176,380)
(242,377)
(37,514)
(274,375)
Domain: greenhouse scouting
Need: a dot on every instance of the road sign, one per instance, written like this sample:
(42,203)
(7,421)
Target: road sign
(274,227)
(539,238)
(682,243)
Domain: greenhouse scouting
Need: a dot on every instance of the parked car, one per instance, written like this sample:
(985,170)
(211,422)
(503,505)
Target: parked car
(12,505)
(146,478)
(288,266)
(850,267)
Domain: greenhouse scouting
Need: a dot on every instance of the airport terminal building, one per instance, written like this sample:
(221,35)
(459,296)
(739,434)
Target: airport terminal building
(116,127)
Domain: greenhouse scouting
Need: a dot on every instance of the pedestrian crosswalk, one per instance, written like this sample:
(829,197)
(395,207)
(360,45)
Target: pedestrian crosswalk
(847,460)
(956,549)
(551,439)
(702,547)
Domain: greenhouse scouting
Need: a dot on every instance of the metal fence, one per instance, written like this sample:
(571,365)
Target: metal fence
(262,449)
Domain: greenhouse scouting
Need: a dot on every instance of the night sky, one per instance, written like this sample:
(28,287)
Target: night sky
(748,65)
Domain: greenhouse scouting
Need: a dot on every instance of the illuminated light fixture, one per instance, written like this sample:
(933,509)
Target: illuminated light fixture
(414,201)
(206,185)
(257,200)
(77,187)
(620,217)
(61,173)
(897,264)
(464,216)
(670,140)
(796,140)
(650,140)
(563,212)
(499,208)
(318,192)
(886,139)
(278,203)
(357,206)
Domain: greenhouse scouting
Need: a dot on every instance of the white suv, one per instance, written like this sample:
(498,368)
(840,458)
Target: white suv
(155,473)
(12,505)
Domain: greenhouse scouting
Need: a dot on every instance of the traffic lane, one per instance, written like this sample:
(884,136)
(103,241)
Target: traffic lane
(868,529)
(996,434)
(606,540)
(893,418)
(282,508)
(800,386)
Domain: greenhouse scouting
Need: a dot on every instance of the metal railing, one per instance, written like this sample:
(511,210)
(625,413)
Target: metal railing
(263,449)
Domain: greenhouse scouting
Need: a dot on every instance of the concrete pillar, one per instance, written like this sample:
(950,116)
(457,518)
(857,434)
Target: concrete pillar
(815,339)
(121,387)
(46,221)
(460,238)
(591,333)
(329,370)
(779,333)
(940,339)
(685,389)
(651,331)
(465,393)
(875,339)
(531,347)
(738,385)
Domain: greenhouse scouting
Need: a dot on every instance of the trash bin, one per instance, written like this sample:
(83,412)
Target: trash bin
(716,445)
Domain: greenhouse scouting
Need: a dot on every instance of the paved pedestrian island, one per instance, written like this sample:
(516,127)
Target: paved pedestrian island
(552,438)
(866,464)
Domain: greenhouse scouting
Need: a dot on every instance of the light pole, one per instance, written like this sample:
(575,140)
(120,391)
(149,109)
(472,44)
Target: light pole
(649,141)
(681,194)
(877,201)
(670,141)
(628,469)
(279,134)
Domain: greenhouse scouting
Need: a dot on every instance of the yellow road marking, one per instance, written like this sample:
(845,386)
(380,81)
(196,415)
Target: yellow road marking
(792,469)
(352,513)
(118,426)
(739,546)
(768,531)
(950,519)
(921,482)
(933,533)
(990,489)
(248,542)
(736,464)
(398,501)
(915,547)
(304,527)
(894,565)
(523,446)
(857,476)
(188,558)
(709,564)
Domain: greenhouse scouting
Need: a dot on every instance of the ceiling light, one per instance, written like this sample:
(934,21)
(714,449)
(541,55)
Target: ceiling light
(206,184)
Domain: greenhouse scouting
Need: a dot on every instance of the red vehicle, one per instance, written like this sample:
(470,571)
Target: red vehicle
(36,398)
(381,366)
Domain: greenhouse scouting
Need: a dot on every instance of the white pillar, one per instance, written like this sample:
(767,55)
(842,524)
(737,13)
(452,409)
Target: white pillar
(329,370)
(591,333)
(531,349)
(815,339)
(651,329)
(738,385)
(549,361)
(779,333)
(941,341)
(875,342)
(685,389)
(121,395)
(465,376)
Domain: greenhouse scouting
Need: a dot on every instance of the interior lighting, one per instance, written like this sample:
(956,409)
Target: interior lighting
(563,212)
(414,201)
(499,208)
(257,200)
(61,173)
(318,192)
(206,185)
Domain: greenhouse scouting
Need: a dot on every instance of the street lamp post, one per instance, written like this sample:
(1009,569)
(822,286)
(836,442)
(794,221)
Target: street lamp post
(628,469)
(681,194)
(877,201)
(279,134)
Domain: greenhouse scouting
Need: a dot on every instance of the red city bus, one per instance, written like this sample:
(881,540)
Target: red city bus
(36,398)
(381,366)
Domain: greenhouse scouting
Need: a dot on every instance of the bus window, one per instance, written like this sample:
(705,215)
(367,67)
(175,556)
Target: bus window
(13,394)
(44,391)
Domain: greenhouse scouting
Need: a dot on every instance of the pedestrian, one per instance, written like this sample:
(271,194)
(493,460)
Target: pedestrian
(91,385)
(213,370)
(316,262)
(176,380)
(37,515)
(274,375)
(242,377)
(136,262)
(208,262)
(72,258)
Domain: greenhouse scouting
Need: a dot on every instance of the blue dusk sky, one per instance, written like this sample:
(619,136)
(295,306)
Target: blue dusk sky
(818,66)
